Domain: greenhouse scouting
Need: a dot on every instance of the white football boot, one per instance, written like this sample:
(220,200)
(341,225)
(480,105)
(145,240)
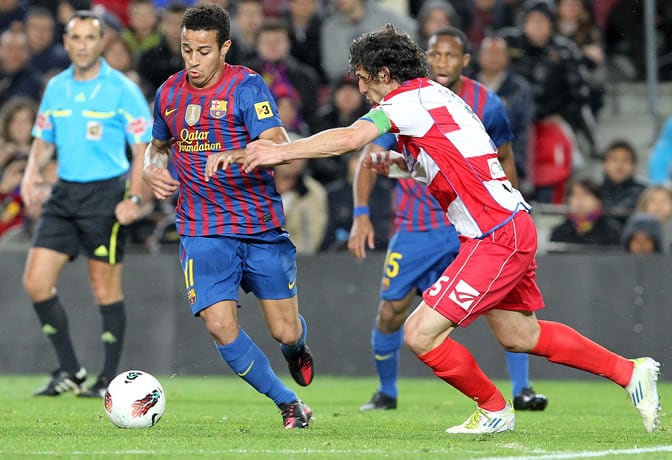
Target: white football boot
(644,392)
(483,421)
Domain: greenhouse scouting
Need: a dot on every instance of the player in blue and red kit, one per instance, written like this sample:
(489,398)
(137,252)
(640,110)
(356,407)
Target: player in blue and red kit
(414,260)
(230,222)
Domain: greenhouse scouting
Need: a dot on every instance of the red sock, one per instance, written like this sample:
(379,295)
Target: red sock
(561,344)
(454,364)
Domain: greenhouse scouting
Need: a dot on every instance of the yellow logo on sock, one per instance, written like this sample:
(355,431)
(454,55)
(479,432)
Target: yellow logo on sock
(48,329)
(108,337)
(383,357)
(246,371)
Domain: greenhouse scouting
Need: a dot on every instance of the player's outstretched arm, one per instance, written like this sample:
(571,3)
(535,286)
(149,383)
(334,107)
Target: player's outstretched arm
(222,160)
(332,142)
(155,172)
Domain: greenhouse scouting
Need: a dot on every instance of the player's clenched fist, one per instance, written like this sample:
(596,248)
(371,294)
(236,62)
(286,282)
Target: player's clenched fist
(160,181)
(381,161)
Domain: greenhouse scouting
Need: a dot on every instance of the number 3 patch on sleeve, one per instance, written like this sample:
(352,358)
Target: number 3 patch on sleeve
(263,110)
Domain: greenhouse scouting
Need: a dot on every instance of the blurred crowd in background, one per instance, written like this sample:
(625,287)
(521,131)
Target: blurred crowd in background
(563,51)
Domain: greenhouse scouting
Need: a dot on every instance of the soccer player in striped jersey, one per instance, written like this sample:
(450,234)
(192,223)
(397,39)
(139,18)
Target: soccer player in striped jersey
(230,222)
(413,260)
(445,146)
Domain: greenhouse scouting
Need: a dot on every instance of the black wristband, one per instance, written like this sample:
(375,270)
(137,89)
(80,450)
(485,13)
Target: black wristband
(137,199)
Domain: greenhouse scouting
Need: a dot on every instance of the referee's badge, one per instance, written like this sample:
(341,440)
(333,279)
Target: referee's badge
(192,114)
(94,130)
(217,108)
(42,122)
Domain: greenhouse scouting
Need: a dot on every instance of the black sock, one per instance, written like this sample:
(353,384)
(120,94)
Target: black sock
(55,326)
(114,328)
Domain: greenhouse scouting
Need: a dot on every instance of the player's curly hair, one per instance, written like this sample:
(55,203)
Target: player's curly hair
(208,16)
(390,48)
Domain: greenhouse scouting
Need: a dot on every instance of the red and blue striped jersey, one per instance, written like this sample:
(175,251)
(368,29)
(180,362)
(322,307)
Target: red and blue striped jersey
(416,210)
(224,116)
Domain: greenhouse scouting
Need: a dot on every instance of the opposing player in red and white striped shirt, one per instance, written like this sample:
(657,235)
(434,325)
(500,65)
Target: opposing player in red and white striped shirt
(446,147)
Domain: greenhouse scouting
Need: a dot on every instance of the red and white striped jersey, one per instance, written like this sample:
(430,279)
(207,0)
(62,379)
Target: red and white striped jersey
(446,147)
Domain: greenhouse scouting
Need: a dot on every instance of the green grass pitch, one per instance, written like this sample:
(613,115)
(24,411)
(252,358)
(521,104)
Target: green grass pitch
(215,417)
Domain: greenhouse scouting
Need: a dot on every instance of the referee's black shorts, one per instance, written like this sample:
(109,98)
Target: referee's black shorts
(81,215)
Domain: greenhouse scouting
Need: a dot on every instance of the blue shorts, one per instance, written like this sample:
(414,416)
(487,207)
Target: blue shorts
(215,267)
(415,260)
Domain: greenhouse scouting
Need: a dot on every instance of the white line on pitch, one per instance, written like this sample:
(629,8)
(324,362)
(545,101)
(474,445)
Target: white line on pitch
(587,454)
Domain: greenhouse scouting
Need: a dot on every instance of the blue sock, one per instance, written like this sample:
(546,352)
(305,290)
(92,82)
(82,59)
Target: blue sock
(386,353)
(252,365)
(288,350)
(519,370)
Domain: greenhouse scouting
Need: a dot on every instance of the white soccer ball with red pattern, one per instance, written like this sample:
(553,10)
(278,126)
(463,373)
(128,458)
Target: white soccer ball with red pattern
(135,399)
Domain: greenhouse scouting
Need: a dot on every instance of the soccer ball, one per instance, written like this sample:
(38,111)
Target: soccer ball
(135,399)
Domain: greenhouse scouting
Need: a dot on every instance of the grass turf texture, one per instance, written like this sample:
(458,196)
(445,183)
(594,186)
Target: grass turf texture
(221,417)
